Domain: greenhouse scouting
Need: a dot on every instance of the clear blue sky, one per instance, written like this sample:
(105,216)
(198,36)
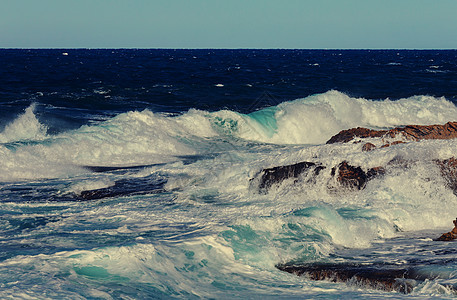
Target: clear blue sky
(228,24)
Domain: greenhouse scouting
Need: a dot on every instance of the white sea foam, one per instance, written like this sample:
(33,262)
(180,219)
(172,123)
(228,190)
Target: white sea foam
(313,120)
(221,235)
(140,138)
(87,185)
(25,127)
(133,138)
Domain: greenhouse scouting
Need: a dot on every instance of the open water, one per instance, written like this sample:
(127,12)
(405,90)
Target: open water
(167,142)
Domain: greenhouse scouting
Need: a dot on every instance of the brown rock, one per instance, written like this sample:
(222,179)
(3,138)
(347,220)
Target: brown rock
(411,132)
(350,176)
(376,171)
(449,236)
(397,142)
(345,136)
(354,177)
(388,144)
(368,147)
(430,132)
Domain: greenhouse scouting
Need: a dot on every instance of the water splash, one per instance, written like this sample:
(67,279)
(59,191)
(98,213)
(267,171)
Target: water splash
(26,127)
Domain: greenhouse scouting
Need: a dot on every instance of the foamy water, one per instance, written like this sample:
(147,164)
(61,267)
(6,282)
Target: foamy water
(209,233)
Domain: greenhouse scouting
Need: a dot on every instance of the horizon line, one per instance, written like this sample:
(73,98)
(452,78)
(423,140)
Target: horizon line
(204,48)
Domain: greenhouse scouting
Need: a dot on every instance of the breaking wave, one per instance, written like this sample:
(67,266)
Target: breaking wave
(144,137)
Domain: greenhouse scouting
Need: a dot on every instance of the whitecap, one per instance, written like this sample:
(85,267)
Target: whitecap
(25,127)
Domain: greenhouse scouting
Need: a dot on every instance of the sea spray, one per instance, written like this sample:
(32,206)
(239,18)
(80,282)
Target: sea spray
(26,127)
(201,125)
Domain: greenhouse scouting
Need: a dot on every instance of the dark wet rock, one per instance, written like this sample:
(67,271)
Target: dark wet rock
(125,187)
(449,236)
(385,277)
(348,176)
(276,175)
(368,147)
(375,172)
(354,177)
(348,135)
(410,132)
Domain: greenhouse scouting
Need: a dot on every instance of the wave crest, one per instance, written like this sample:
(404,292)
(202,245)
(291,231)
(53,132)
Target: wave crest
(314,119)
(25,127)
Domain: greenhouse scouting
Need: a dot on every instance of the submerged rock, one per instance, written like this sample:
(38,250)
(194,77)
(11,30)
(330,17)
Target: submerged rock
(368,147)
(449,236)
(410,132)
(385,277)
(276,175)
(348,135)
(354,177)
(348,176)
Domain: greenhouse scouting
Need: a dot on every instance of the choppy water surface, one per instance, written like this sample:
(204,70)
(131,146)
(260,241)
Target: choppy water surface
(170,140)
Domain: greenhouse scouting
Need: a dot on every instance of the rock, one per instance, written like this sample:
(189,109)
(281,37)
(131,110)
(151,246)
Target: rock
(380,276)
(277,175)
(348,135)
(374,172)
(350,176)
(368,147)
(375,276)
(410,132)
(388,144)
(449,236)
(354,177)
(430,132)
(346,175)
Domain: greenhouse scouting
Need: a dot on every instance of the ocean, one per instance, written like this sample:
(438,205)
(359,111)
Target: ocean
(132,173)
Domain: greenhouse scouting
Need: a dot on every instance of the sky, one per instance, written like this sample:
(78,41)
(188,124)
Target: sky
(299,24)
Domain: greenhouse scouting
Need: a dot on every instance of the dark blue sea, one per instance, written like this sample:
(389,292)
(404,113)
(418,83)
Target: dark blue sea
(131,174)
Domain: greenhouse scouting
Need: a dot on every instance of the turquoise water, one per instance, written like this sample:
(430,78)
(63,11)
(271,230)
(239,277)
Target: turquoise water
(194,226)
(117,183)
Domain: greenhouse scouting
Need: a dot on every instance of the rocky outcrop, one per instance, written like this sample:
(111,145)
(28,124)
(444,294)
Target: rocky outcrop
(368,147)
(373,276)
(346,175)
(348,135)
(449,236)
(354,177)
(410,132)
(276,175)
